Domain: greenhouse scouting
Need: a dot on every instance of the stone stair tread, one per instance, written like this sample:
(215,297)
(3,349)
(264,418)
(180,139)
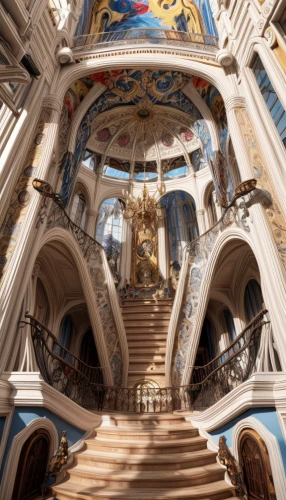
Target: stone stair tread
(147,372)
(176,475)
(201,492)
(137,459)
(147,444)
(150,431)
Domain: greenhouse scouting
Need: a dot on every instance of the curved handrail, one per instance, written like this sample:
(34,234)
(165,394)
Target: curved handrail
(210,367)
(92,373)
(79,386)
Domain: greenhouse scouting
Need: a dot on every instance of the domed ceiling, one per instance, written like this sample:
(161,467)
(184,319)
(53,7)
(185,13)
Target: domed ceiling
(143,132)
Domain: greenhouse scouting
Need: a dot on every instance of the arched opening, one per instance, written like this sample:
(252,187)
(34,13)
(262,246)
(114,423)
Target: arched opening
(109,232)
(79,208)
(88,352)
(42,307)
(254,458)
(210,205)
(65,339)
(206,350)
(182,223)
(32,466)
(231,305)
(253,300)
(229,325)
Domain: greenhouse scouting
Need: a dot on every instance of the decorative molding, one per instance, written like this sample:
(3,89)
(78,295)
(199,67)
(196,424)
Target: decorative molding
(273,451)
(234,101)
(224,57)
(257,392)
(52,101)
(64,55)
(29,389)
(11,465)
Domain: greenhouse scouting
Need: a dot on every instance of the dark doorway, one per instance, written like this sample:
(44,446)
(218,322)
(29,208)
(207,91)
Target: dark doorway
(32,466)
(256,466)
(88,352)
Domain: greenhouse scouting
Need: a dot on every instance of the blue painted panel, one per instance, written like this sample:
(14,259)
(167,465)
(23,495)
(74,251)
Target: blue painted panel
(23,416)
(267,416)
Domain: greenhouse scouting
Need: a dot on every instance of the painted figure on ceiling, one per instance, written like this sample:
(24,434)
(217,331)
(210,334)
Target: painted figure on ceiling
(120,15)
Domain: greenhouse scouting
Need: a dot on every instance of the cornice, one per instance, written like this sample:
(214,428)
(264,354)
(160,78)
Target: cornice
(259,391)
(29,389)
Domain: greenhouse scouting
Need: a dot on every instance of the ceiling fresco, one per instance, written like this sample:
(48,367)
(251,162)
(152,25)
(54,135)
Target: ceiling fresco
(143,106)
(157,134)
(194,16)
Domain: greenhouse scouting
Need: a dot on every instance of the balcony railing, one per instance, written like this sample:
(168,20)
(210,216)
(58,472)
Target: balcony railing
(84,384)
(153,36)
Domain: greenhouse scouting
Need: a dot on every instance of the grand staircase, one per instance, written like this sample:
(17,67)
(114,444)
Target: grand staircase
(146,324)
(142,457)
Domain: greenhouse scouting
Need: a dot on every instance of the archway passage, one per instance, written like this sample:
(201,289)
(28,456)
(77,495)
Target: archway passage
(88,351)
(32,466)
(256,466)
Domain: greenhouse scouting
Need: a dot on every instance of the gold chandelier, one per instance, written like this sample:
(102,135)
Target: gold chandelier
(143,210)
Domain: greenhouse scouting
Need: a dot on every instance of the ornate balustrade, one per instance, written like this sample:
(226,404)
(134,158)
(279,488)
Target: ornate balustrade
(83,384)
(150,36)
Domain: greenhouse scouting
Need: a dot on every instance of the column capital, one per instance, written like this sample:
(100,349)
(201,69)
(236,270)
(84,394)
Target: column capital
(93,213)
(234,102)
(52,102)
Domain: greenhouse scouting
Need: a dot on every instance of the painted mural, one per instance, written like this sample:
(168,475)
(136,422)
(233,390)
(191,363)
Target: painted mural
(222,178)
(130,87)
(193,16)
(73,97)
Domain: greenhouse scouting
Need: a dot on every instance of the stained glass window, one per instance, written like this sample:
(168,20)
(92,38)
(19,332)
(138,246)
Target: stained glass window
(270,97)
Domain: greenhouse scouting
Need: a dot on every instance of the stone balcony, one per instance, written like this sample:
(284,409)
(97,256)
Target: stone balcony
(199,45)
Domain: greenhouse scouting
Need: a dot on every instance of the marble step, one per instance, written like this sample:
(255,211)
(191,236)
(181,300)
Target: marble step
(146,349)
(148,434)
(143,315)
(152,372)
(167,420)
(117,461)
(219,490)
(99,476)
(129,305)
(147,448)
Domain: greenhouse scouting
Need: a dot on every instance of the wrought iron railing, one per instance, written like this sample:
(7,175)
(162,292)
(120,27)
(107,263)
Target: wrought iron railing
(200,373)
(144,35)
(84,384)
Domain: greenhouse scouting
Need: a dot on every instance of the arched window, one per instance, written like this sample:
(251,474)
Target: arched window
(270,97)
(42,308)
(109,232)
(78,213)
(181,222)
(32,466)
(210,205)
(65,338)
(229,323)
(253,300)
